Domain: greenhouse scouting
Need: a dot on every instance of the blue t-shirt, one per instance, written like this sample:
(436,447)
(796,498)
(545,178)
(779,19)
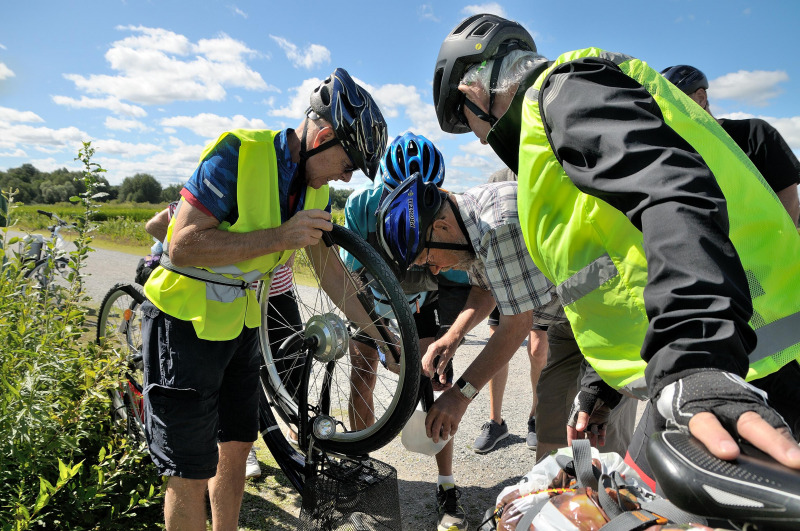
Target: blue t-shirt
(212,187)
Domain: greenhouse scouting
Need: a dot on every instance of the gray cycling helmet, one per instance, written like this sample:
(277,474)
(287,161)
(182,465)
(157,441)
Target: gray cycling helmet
(476,39)
(685,77)
(356,119)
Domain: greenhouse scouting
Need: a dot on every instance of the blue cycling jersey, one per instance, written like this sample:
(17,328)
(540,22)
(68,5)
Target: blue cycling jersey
(212,186)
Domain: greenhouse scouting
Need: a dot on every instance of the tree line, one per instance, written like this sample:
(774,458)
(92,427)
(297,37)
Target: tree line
(38,187)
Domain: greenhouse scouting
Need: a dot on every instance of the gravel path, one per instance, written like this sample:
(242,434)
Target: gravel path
(480,477)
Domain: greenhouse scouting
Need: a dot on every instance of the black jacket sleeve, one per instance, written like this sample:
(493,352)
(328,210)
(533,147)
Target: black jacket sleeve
(610,136)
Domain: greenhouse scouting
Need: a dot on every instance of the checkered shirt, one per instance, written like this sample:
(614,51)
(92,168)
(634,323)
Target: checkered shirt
(490,215)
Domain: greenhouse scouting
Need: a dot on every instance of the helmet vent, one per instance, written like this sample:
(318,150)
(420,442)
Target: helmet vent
(400,158)
(483,29)
(325,95)
(464,24)
(413,151)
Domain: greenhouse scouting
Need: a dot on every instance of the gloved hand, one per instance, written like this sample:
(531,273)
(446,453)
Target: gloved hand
(725,395)
(589,414)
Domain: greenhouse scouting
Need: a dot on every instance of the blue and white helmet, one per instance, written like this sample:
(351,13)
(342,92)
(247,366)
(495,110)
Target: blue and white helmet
(356,119)
(409,154)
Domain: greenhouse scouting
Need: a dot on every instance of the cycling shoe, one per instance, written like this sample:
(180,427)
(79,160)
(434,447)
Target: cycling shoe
(752,488)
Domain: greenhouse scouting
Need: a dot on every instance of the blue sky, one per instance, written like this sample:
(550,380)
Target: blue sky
(151,82)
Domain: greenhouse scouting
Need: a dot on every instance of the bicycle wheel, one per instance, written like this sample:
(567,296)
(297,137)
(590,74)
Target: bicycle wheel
(119,327)
(359,379)
(55,281)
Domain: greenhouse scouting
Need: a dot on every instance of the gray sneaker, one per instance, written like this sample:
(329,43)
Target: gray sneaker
(491,434)
(532,440)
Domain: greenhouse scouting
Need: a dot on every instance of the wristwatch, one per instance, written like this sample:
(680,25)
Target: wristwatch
(466,388)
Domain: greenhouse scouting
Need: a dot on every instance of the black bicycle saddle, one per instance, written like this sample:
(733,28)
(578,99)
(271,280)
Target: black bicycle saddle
(752,488)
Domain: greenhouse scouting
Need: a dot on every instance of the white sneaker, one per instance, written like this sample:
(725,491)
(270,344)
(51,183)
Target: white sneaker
(253,469)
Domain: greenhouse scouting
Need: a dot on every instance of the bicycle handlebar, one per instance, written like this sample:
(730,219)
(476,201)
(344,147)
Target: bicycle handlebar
(53,215)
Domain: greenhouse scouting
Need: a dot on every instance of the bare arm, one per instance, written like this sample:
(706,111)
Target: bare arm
(197,240)
(158,224)
(479,305)
(790,202)
(445,414)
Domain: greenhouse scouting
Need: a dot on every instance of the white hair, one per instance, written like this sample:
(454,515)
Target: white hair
(514,68)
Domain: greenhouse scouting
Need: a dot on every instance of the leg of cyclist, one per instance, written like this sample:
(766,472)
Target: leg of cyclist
(198,393)
(363,376)
(225,490)
(451,514)
(185,504)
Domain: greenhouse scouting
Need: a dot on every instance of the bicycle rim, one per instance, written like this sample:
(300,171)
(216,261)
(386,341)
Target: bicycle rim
(320,370)
(119,327)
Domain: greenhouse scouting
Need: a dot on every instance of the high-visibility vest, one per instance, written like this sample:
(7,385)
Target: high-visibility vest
(595,257)
(216,300)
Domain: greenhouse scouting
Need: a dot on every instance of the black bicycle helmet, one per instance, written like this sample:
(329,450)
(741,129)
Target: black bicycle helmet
(356,119)
(685,77)
(476,39)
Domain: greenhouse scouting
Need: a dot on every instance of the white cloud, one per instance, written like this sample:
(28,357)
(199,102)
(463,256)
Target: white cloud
(313,55)
(754,88)
(5,72)
(157,66)
(118,124)
(789,128)
(237,11)
(210,126)
(425,12)
(111,103)
(26,134)
(173,163)
(18,153)
(492,8)
(125,149)
(12,115)
(50,164)
(396,98)
(299,102)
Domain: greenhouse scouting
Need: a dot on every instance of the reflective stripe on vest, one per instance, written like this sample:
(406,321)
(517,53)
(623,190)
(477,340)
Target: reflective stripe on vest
(219,311)
(595,256)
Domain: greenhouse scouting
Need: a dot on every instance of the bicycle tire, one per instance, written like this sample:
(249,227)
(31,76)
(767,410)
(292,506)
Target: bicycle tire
(325,385)
(119,327)
(54,286)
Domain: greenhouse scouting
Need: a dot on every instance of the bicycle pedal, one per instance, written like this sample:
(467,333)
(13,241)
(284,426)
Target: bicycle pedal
(751,488)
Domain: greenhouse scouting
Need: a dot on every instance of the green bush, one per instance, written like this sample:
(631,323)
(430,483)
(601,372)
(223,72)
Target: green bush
(63,464)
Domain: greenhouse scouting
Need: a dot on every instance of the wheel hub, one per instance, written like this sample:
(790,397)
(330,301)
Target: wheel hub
(330,333)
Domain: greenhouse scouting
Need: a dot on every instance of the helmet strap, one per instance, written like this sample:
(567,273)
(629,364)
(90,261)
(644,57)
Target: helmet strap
(462,227)
(307,154)
(503,50)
